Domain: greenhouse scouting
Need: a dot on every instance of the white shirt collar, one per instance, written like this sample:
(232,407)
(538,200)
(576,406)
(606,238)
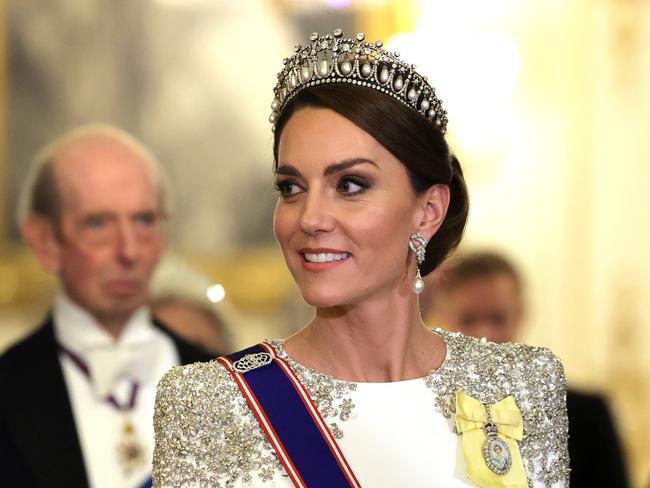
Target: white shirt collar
(78,330)
(110,360)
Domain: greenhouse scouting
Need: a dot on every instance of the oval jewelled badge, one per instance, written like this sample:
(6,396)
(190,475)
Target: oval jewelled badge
(252,361)
(497,454)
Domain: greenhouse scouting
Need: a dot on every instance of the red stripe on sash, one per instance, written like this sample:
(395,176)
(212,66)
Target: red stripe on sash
(264,422)
(316,416)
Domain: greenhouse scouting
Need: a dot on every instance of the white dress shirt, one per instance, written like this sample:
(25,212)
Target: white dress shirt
(141,354)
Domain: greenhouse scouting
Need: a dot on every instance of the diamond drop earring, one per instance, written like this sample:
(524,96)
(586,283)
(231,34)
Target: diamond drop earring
(418,244)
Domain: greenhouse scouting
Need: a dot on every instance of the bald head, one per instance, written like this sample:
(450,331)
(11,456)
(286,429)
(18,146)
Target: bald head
(87,148)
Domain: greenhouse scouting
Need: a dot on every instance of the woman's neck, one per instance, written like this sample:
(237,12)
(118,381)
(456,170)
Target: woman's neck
(375,342)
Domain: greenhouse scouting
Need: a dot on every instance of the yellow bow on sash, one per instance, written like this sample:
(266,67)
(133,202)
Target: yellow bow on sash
(471,417)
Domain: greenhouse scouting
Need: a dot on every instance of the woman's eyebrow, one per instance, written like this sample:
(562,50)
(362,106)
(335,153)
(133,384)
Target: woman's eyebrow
(345,164)
(287,169)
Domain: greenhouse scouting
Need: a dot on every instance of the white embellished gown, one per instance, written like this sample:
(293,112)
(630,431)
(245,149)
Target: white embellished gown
(396,434)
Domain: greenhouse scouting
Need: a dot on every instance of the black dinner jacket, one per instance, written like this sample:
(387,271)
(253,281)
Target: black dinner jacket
(39,445)
(595,455)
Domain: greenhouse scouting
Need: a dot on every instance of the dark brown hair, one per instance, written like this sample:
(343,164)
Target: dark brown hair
(410,138)
(460,269)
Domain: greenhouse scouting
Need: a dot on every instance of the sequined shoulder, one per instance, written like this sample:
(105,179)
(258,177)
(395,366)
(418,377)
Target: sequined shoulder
(204,431)
(534,376)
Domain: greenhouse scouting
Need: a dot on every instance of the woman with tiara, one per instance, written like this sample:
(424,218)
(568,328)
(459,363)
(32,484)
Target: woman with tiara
(370,200)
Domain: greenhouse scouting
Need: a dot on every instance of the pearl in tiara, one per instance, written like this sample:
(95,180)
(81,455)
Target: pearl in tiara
(333,58)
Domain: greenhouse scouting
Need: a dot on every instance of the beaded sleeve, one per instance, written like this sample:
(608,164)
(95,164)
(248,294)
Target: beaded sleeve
(205,433)
(534,376)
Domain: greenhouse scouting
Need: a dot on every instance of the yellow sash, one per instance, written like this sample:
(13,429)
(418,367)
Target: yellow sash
(471,416)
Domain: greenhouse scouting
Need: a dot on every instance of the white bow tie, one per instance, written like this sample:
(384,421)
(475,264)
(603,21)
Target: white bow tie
(113,366)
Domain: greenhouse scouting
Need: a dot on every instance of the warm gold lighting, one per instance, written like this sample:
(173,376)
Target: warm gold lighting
(216,293)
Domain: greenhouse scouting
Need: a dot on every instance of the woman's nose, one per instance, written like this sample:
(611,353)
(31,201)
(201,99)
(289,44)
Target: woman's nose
(316,214)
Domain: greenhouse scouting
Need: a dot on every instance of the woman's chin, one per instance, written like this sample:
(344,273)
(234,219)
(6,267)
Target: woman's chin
(324,298)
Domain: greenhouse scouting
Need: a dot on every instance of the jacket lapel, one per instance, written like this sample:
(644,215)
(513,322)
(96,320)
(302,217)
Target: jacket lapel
(40,414)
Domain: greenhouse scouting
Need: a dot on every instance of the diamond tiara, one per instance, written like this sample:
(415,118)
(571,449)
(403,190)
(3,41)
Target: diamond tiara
(337,59)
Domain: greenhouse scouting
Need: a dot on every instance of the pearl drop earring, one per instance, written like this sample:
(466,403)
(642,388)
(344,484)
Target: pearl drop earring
(418,244)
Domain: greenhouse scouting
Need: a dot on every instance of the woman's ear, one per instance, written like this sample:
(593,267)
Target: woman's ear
(41,238)
(434,203)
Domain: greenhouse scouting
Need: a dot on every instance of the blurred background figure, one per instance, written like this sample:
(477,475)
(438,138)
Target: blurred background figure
(482,294)
(477,294)
(78,393)
(189,304)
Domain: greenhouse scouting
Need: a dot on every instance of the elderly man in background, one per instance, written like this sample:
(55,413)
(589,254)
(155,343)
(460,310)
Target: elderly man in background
(481,294)
(78,394)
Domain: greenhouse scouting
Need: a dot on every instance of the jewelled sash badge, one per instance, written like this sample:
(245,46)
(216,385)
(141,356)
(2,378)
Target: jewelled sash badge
(252,361)
(490,436)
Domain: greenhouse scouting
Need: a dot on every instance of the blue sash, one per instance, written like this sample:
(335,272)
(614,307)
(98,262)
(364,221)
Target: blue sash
(147,484)
(289,418)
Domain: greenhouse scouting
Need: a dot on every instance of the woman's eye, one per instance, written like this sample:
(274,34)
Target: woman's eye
(287,188)
(352,186)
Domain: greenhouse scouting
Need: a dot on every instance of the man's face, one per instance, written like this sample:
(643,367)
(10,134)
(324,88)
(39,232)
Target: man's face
(110,236)
(485,306)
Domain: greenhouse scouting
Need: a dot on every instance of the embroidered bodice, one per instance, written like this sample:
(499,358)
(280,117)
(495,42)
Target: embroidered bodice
(206,436)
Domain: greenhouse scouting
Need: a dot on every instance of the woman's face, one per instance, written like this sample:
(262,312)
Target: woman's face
(345,212)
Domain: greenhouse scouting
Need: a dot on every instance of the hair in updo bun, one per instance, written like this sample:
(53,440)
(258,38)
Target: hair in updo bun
(411,138)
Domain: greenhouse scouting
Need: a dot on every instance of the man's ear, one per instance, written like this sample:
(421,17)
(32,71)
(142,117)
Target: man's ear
(40,236)
(434,203)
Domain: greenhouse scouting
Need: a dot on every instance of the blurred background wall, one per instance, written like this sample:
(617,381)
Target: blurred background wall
(549,107)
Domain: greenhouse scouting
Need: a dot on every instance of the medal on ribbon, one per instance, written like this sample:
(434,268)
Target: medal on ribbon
(491,435)
(495,450)
(130,451)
